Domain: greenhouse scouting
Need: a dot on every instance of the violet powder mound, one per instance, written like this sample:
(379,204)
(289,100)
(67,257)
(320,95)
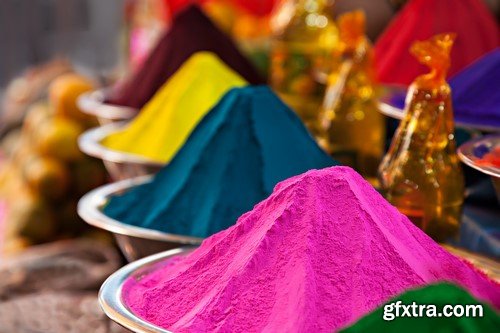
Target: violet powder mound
(191,31)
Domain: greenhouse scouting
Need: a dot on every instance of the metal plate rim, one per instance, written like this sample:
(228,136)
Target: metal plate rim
(465,150)
(90,143)
(110,293)
(92,103)
(89,209)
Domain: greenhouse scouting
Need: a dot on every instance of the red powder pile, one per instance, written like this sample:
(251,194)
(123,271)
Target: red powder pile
(191,32)
(323,250)
(477,34)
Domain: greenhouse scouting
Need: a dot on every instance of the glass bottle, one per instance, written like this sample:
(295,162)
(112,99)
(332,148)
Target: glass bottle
(352,129)
(301,51)
(421,174)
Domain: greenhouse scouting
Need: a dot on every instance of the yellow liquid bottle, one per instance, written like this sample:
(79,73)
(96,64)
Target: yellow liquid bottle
(301,53)
(421,174)
(352,129)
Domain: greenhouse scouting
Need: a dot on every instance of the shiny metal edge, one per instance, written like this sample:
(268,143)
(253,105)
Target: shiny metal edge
(92,103)
(466,150)
(488,265)
(89,209)
(90,143)
(391,111)
(110,294)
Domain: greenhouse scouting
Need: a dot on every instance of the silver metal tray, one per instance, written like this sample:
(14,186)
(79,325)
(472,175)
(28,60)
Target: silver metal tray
(134,242)
(111,299)
(93,104)
(111,293)
(467,154)
(120,165)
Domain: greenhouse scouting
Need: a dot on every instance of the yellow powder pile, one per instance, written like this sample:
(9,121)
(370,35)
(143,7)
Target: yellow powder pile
(166,121)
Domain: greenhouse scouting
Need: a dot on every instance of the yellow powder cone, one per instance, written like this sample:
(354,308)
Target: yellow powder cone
(165,122)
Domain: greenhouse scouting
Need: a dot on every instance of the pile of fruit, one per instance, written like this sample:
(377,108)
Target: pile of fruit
(43,172)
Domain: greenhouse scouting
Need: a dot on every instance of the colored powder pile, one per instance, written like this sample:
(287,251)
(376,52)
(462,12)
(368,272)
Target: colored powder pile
(323,250)
(487,156)
(191,32)
(475,91)
(440,295)
(167,120)
(471,20)
(247,144)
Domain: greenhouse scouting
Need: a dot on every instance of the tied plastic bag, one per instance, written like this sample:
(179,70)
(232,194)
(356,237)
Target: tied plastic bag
(351,127)
(421,174)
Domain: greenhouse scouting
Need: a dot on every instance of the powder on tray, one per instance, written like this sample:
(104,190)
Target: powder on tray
(236,155)
(167,120)
(323,250)
(475,27)
(191,31)
(475,91)
(439,295)
(489,156)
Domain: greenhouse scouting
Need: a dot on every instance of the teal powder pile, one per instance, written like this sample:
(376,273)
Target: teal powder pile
(240,150)
(439,295)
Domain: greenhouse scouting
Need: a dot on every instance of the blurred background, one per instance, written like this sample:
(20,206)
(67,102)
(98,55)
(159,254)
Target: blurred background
(34,31)
(90,32)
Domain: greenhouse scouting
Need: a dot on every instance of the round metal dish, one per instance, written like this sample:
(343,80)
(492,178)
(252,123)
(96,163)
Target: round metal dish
(488,266)
(392,92)
(120,165)
(134,242)
(93,103)
(110,295)
(467,154)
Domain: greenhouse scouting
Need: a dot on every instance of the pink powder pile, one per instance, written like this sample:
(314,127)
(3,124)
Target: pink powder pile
(324,249)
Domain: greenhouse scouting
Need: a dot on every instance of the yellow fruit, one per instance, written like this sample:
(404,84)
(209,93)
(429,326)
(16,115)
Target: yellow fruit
(29,217)
(58,138)
(87,175)
(24,150)
(15,245)
(11,142)
(10,180)
(47,177)
(37,114)
(69,221)
(63,93)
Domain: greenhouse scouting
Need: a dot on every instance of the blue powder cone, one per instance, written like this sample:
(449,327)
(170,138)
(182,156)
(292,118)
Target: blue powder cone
(241,149)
